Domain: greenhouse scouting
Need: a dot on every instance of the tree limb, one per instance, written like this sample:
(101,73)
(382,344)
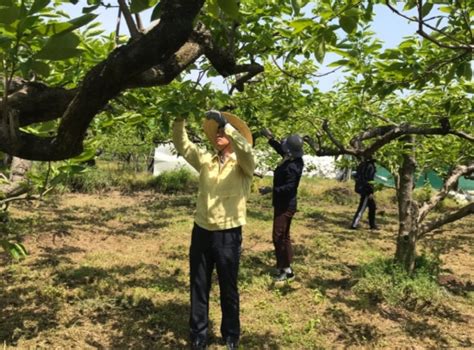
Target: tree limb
(423,34)
(339,145)
(105,81)
(448,185)
(446,219)
(134,33)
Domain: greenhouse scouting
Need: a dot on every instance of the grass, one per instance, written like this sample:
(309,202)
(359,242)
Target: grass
(110,270)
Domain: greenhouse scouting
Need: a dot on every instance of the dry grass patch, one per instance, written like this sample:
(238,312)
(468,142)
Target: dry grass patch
(110,271)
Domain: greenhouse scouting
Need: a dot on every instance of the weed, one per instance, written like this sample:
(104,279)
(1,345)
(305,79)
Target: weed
(383,280)
(180,180)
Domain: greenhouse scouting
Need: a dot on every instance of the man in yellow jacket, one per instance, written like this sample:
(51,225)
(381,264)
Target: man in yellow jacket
(224,184)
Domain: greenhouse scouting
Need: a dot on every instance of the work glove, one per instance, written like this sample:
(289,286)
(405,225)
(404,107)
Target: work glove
(264,190)
(217,117)
(267,133)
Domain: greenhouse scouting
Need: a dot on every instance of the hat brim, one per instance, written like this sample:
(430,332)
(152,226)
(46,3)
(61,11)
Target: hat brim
(210,128)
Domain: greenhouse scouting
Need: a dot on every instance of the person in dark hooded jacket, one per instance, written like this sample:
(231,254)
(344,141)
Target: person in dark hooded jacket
(365,174)
(286,179)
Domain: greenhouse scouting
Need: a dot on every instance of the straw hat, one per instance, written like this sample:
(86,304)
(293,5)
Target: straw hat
(210,128)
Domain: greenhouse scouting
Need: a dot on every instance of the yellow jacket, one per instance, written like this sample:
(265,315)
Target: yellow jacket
(223,189)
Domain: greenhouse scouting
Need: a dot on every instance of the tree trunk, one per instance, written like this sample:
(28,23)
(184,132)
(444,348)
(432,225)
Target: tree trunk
(407,210)
(18,183)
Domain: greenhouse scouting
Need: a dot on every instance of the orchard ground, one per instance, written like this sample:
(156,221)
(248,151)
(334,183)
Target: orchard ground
(110,271)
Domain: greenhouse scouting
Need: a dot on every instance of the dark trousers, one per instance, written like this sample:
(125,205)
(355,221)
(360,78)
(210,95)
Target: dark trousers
(281,236)
(366,200)
(208,249)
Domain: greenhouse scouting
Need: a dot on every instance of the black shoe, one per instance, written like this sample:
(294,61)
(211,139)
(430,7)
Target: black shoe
(231,344)
(198,345)
(374,227)
(284,276)
(352,227)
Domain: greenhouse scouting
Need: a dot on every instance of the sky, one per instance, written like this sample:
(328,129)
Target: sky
(388,26)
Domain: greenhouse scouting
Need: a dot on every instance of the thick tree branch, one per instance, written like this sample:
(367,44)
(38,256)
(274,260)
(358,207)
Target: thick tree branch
(319,150)
(17,183)
(225,64)
(446,219)
(399,131)
(167,72)
(448,185)
(36,102)
(339,145)
(105,81)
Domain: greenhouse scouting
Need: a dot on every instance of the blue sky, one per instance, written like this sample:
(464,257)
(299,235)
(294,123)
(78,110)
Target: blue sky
(389,27)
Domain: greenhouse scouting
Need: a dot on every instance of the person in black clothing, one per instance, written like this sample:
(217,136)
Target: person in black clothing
(365,174)
(286,179)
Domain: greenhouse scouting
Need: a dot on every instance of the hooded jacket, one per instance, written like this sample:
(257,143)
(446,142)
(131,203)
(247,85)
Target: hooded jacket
(286,179)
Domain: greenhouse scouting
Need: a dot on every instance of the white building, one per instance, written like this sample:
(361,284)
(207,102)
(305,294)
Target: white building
(166,159)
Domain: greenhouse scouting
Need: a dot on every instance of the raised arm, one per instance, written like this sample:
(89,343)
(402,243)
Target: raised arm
(185,147)
(242,149)
(276,146)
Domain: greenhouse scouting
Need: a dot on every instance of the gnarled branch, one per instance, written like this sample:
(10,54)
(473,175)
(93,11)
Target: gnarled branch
(448,185)
(446,219)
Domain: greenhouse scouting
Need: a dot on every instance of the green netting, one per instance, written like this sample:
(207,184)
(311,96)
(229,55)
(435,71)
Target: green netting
(384,177)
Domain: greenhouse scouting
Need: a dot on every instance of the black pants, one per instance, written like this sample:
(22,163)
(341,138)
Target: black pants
(281,236)
(222,249)
(366,200)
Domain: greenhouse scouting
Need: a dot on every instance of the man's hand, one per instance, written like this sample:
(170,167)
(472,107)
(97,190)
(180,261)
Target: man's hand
(217,117)
(264,190)
(267,133)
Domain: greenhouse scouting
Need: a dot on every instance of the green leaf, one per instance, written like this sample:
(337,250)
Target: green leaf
(369,11)
(213,8)
(445,9)
(90,9)
(86,155)
(338,63)
(300,24)
(320,51)
(309,44)
(409,5)
(230,8)
(5,42)
(8,15)
(467,71)
(156,12)
(20,248)
(427,6)
(72,169)
(295,4)
(60,47)
(140,5)
(348,23)
(40,68)
(38,5)
(64,27)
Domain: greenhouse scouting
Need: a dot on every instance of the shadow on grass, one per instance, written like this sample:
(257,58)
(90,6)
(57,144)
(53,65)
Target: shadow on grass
(25,313)
(327,221)
(152,326)
(260,215)
(116,221)
(352,333)
(54,256)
